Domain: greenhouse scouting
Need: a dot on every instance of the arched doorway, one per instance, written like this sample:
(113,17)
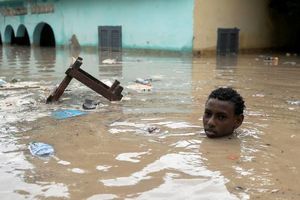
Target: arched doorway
(22,36)
(43,35)
(9,35)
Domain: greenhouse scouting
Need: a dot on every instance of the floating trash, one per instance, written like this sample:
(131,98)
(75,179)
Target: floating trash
(63,114)
(77,171)
(103,167)
(271,60)
(152,129)
(140,87)
(297,103)
(144,81)
(40,149)
(90,104)
(14,80)
(63,162)
(2,82)
(258,95)
(109,61)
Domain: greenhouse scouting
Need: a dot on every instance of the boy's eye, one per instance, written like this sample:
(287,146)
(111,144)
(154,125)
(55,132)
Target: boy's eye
(207,114)
(221,117)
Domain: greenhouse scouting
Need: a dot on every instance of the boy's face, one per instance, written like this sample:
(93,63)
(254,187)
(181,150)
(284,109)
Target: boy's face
(219,118)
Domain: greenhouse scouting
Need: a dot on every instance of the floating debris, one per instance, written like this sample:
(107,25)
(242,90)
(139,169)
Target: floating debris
(297,103)
(152,129)
(63,114)
(258,95)
(144,81)
(109,61)
(271,60)
(14,80)
(275,191)
(112,93)
(140,87)
(90,104)
(40,149)
(63,162)
(77,170)
(239,188)
(2,82)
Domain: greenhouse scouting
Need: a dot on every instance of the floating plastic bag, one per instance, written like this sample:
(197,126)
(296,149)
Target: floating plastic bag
(144,81)
(40,149)
(63,114)
(2,82)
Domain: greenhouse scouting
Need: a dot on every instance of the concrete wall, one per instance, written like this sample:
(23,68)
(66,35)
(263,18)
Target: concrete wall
(146,24)
(250,16)
(179,25)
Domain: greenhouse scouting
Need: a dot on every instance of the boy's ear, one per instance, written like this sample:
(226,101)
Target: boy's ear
(239,121)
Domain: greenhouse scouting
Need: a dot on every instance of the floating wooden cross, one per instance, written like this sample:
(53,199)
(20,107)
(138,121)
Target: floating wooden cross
(112,93)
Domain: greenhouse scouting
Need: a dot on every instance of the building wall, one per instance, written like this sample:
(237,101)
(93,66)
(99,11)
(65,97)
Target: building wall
(146,24)
(250,16)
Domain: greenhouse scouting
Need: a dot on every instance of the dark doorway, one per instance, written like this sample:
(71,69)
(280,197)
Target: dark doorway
(12,38)
(23,40)
(9,35)
(47,37)
(0,39)
(228,41)
(110,38)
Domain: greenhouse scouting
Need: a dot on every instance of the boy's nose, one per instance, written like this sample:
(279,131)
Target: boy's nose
(211,122)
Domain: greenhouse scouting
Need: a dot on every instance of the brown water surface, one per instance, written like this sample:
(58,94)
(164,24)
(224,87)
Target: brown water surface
(109,153)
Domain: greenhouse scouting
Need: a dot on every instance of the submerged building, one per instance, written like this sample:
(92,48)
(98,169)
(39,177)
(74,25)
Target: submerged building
(177,25)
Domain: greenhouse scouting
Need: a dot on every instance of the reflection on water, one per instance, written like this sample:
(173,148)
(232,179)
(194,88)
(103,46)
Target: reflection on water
(226,61)
(104,55)
(1,54)
(11,55)
(45,59)
(110,64)
(111,154)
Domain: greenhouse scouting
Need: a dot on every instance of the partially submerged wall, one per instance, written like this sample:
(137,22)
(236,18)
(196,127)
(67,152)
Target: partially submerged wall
(155,24)
(250,16)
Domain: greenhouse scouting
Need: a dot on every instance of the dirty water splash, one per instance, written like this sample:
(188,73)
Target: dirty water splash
(151,143)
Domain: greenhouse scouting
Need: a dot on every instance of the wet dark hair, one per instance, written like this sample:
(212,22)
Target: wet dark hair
(229,94)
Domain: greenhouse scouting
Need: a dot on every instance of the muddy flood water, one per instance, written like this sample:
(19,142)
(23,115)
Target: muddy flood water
(150,145)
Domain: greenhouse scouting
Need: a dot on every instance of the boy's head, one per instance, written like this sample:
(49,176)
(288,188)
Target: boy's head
(223,112)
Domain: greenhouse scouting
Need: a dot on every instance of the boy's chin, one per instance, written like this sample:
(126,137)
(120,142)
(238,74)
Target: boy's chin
(210,134)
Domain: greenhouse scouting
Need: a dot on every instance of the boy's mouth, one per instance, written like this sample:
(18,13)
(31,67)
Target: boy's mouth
(210,133)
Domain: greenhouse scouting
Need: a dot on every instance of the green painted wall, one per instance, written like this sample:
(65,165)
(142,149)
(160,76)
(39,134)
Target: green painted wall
(146,24)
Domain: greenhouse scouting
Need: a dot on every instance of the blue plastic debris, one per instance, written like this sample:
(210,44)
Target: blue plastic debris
(40,149)
(143,81)
(2,82)
(63,114)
